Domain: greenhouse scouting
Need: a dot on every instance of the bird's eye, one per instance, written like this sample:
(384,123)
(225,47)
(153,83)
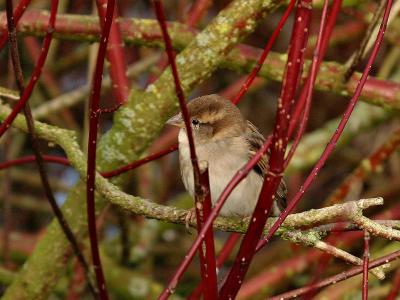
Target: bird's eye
(195,122)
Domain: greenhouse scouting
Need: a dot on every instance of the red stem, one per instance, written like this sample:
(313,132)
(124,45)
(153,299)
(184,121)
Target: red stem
(279,142)
(15,58)
(222,257)
(231,91)
(32,158)
(116,56)
(207,259)
(337,278)
(33,79)
(374,161)
(64,161)
(211,291)
(91,155)
(307,91)
(178,88)
(7,209)
(197,11)
(323,38)
(332,143)
(18,12)
(139,162)
(264,54)
(365,266)
(395,287)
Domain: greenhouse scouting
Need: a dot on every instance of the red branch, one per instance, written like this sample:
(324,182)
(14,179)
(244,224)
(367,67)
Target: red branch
(222,257)
(179,92)
(337,278)
(324,35)
(91,155)
(32,158)
(365,266)
(19,11)
(197,11)
(276,162)
(64,161)
(116,56)
(332,143)
(264,54)
(207,259)
(33,79)
(373,161)
(395,287)
(199,185)
(139,162)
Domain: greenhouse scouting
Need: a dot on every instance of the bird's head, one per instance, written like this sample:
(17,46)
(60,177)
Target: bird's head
(212,118)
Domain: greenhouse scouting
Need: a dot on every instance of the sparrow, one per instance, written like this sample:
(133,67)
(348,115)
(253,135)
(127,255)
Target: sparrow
(225,141)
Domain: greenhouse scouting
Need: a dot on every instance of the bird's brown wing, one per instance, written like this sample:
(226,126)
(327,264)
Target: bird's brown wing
(256,140)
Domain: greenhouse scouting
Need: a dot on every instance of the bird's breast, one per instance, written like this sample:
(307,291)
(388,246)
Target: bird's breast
(224,159)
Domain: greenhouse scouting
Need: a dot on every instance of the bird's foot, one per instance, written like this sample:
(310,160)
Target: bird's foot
(190,218)
(245,220)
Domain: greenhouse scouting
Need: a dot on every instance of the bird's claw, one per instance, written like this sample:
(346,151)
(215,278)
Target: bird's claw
(190,218)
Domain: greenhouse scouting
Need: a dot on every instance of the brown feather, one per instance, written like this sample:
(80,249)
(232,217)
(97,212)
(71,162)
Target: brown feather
(255,141)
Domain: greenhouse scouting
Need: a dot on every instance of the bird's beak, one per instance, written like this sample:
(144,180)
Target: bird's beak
(176,120)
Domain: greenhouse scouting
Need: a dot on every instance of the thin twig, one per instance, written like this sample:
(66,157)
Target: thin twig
(365,266)
(19,11)
(395,287)
(350,226)
(360,52)
(73,97)
(139,162)
(94,116)
(7,198)
(116,55)
(222,257)
(197,11)
(25,92)
(366,167)
(250,78)
(311,239)
(337,278)
(31,158)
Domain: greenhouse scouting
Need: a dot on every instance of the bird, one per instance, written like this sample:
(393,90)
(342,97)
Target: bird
(225,141)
